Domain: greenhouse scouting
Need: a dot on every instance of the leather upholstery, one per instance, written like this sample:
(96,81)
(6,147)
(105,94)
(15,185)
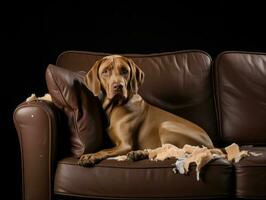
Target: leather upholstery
(36,125)
(146,179)
(241,97)
(251,175)
(86,118)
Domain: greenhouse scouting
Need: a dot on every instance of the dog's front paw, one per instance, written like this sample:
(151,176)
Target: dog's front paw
(138,155)
(89,160)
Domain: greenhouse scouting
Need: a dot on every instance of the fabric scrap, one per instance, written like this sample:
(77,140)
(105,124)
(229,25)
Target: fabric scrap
(33,97)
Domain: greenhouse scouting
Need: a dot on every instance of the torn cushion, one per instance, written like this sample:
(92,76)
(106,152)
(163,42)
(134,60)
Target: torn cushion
(193,154)
(202,156)
(86,118)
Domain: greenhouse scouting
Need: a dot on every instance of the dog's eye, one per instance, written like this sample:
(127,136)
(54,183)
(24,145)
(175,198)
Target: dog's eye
(105,72)
(124,71)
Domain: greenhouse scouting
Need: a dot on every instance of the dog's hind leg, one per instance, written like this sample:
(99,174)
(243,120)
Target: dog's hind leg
(180,134)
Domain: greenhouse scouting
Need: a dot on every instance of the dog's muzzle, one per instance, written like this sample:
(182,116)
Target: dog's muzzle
(118,92)
(117,87)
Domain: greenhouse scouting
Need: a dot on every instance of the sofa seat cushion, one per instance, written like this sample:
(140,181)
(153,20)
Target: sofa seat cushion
(251,175)
(145,179)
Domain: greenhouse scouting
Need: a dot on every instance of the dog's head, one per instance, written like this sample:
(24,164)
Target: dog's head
(116,76)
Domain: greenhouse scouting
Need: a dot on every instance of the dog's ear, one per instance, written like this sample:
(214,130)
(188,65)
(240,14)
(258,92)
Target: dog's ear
(137,76)
(92,80)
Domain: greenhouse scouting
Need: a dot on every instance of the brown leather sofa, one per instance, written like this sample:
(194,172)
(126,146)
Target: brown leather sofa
(227,97)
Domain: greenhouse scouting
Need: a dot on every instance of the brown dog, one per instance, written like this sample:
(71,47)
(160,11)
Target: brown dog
(134,124)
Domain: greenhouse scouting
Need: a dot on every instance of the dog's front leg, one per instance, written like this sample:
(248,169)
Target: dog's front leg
(138,155)
(89,160)
(121,131)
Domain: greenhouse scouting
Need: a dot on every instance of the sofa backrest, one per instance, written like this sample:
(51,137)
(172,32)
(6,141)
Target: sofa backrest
(240,85)
(179,82)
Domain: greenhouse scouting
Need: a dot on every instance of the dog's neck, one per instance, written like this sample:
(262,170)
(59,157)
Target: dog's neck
(109,104)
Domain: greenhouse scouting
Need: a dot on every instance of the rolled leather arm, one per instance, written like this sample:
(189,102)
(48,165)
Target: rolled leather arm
(36,125)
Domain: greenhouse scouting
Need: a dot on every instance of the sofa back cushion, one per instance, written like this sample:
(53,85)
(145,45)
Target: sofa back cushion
(241,97)
(178,82)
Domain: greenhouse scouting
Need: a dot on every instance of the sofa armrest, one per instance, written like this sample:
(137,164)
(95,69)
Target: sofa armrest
(36,124)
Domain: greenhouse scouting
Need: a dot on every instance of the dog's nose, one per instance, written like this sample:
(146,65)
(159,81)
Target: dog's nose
(117,86)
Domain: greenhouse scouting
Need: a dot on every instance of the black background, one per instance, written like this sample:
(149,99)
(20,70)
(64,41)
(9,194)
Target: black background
(34,35)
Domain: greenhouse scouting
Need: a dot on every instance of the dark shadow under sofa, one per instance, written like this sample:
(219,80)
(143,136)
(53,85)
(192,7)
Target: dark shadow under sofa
(226,97)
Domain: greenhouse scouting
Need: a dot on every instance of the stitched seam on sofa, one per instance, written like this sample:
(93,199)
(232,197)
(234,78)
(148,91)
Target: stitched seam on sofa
(135,55)
(152,167)
(250,196)
(51,119)
(242,52)
(152,197)
(249,166)
(21,149)
(115,167)
(214,99)
(217,80)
